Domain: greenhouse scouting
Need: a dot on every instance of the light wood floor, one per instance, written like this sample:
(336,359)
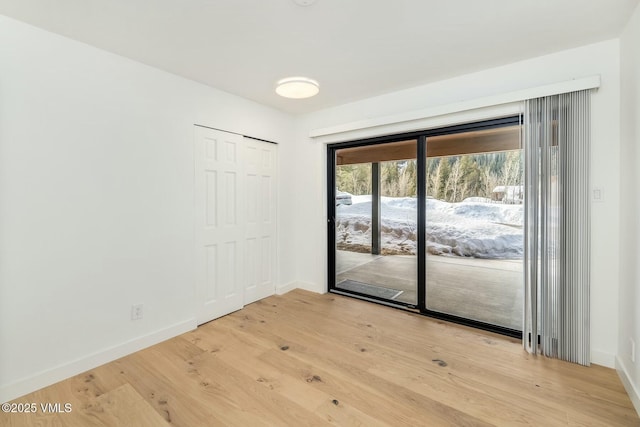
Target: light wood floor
(306,359)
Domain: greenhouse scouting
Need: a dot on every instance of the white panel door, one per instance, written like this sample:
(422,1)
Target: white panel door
(260,242)
(220,223)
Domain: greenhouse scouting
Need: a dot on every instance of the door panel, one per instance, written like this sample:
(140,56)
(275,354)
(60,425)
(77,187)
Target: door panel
(260,235)
(376,222)
(219,223)
(474,229)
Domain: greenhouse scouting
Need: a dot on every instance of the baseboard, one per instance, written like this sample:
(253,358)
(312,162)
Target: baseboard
(603,359)
(632,390)
(283,289)
(51,376)
(313,287)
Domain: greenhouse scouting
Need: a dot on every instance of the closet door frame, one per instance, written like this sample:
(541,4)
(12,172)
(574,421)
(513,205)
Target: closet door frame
(235,250)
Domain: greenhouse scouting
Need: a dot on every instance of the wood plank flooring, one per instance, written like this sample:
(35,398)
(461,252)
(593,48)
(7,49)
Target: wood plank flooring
(304,359)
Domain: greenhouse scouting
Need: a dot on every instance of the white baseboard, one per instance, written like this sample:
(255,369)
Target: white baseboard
(283,289)
(51,376)
(603,359)
(313,287)
(631,388)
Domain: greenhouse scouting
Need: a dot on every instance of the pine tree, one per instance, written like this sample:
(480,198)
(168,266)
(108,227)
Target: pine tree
(444,171)
(411,171)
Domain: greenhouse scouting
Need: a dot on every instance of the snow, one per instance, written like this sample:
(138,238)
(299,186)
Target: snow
(472,228)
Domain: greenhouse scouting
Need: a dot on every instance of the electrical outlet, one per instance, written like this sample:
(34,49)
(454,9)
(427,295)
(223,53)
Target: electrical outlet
(137,311)
(632,345)
(597,194)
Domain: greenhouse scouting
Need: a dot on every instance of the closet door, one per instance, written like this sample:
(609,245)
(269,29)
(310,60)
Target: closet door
(220,223)
(260,242)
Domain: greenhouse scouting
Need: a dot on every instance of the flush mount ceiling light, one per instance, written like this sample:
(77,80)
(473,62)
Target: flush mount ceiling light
(297,87)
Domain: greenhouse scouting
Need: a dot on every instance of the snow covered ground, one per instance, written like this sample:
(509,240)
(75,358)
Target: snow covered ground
(472,228)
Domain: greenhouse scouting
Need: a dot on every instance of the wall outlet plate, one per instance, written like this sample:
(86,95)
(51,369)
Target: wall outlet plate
(137,311)
(597,194)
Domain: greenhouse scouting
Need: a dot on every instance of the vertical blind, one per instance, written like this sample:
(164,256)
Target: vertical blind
(557,226)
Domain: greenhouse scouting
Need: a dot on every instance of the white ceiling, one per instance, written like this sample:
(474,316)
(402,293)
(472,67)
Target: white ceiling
(354,48)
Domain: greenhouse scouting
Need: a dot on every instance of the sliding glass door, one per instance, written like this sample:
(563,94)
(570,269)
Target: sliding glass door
(432,221)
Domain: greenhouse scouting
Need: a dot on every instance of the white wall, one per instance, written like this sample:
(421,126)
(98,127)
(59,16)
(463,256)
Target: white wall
(629,316)
(601,58)
(96,202)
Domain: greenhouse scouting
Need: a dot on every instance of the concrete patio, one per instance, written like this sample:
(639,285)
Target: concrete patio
(487,290)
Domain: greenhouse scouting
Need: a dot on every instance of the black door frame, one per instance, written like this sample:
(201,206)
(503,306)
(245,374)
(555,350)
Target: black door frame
(422,141)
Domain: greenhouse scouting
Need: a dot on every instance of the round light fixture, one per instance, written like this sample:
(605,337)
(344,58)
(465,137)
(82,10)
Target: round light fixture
(297,87)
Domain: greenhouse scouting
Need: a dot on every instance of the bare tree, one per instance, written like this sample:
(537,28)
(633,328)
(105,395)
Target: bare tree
(512,171)
(435,180)
(454,181)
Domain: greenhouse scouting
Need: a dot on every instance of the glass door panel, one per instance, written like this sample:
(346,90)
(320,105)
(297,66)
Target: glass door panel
(474,226)
(376,221)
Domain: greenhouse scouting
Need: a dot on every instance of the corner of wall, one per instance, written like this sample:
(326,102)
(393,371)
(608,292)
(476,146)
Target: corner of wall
(634,393)
(629,295)
(312,287)
(287,287)
(601,358)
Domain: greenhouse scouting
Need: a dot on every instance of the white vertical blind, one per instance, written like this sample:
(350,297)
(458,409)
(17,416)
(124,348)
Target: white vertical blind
(557,223)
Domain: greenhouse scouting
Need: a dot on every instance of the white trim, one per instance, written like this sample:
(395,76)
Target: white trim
(288,287)
(632,390)
(283,289)
(601,358)
(489,106)
(431,122)
(50,376)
